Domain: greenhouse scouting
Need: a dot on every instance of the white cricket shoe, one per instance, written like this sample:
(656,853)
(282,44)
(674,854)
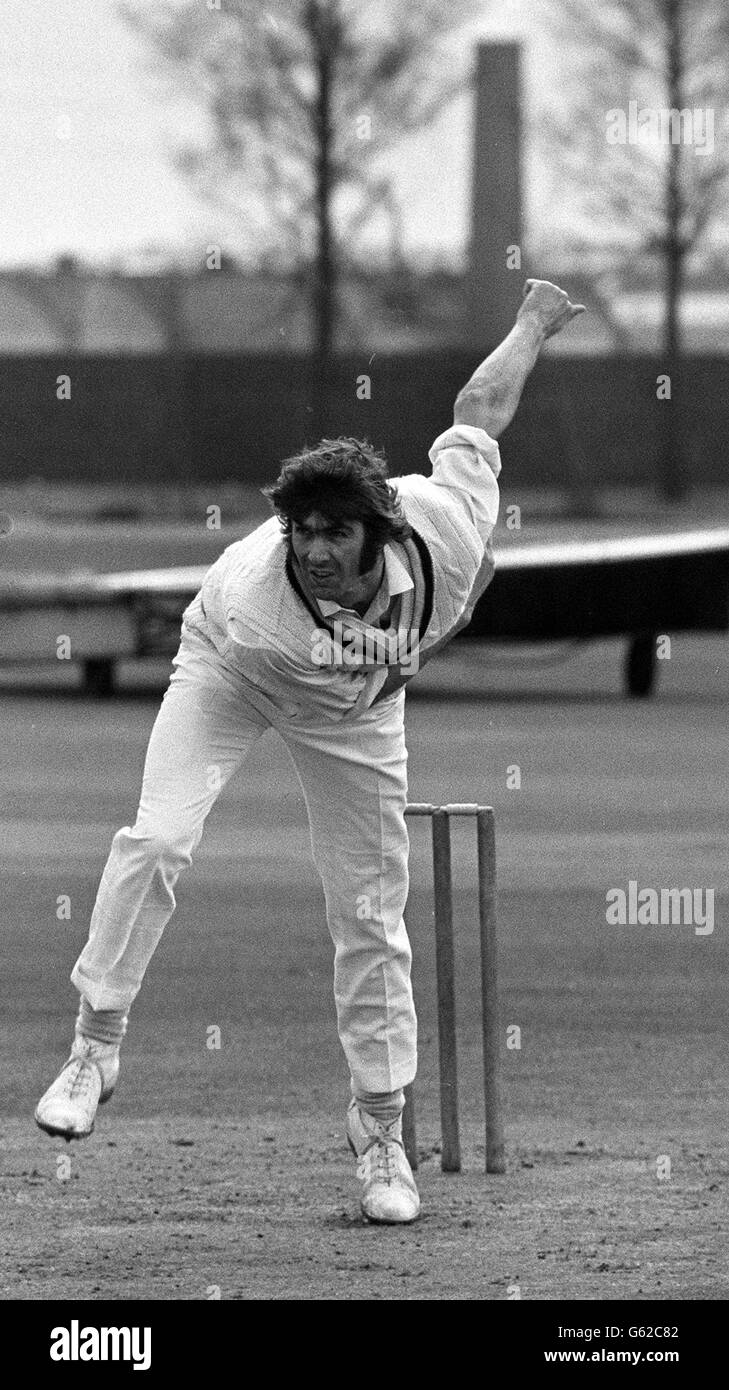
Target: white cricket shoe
(86,1080)
(389,1192)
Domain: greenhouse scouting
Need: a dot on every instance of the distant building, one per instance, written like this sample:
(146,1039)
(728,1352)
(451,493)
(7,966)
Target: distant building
(228,311)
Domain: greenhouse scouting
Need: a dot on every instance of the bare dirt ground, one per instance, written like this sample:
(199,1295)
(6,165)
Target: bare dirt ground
(226,1171)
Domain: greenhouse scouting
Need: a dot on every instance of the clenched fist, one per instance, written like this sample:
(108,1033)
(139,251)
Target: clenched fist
(549,306)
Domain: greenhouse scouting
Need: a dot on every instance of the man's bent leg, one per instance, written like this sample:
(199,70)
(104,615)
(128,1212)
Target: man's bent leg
(201,735)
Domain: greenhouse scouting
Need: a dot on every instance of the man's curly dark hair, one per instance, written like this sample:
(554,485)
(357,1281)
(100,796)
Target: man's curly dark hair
(344,479)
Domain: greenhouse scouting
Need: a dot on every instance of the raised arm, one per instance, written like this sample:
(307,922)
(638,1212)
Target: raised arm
(489,400)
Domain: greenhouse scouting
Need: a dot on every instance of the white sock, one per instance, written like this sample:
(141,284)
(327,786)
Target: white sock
(101,1025)
(383,1106)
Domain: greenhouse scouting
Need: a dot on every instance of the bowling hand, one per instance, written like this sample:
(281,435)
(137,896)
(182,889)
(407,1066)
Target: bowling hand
(549,306)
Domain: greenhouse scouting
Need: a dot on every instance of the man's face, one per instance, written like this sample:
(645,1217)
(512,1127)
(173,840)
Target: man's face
(329,553)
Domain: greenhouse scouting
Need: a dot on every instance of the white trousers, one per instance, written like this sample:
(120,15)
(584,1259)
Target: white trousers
(355,786)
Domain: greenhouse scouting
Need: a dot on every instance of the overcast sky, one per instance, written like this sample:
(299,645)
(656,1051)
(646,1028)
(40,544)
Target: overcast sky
(85,143)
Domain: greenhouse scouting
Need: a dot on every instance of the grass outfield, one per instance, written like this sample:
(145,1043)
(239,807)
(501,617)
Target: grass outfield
(228,1169)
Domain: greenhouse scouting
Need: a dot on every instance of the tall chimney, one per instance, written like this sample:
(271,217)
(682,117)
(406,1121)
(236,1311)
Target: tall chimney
(494,290)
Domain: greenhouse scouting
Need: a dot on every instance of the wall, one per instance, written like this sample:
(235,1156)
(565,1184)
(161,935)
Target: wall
(213,417)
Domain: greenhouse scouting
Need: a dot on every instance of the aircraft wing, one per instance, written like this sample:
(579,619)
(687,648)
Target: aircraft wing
(638,586)
(653,583)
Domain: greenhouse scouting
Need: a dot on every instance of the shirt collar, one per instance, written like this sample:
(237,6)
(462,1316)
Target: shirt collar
(395,580)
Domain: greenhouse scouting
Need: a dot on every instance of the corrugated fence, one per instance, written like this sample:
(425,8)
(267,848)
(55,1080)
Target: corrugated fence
(199,417)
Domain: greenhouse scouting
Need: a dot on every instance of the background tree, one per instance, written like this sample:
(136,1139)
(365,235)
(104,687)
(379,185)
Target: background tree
(301,99)
(654,199)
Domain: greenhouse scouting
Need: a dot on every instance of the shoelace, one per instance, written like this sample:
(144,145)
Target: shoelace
(379,1161)
(81,1082)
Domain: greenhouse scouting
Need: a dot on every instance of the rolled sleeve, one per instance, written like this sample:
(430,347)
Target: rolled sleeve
(467,461)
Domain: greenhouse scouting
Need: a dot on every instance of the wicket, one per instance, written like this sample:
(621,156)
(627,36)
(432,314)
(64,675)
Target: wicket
(447,1051)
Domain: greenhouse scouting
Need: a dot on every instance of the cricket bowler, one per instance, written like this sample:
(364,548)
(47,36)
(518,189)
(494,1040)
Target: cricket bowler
(313,625)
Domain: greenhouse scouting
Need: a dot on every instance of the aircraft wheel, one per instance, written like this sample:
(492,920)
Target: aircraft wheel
(98,678)
(640,666)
